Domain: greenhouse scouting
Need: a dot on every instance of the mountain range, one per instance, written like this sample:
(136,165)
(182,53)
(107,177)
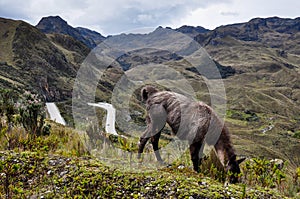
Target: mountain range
(259,62)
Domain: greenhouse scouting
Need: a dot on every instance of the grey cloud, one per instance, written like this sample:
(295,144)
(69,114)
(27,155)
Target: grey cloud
(13,10)
(234,14)
(112,16)
(138,14)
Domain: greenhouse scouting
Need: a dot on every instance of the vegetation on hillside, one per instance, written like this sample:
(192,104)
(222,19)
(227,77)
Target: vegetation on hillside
(55,163)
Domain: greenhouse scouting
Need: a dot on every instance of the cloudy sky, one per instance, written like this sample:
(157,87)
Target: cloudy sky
(116,16)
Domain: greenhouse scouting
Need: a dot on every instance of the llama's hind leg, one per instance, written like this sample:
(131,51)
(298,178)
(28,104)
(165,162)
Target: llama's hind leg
(142,144)
(195,156)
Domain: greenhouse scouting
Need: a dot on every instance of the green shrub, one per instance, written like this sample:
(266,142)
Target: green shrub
(297,134)
(245,115)
(263,172)
(7,104)
(7,119)
(298,172)
(32,113)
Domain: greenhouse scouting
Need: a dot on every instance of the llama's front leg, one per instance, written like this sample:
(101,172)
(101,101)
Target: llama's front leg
(154,141)
(156,120)
(145,137)
(194,151)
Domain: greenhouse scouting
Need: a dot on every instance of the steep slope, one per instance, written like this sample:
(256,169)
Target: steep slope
(7,35)
(31,61)
(75,51)
(91,35)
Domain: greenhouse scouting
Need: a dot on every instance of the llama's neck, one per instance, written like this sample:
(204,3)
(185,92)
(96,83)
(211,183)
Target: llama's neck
(224,148)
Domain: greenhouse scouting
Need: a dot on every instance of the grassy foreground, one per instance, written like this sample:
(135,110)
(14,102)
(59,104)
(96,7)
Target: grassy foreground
(58,166)
(42,175)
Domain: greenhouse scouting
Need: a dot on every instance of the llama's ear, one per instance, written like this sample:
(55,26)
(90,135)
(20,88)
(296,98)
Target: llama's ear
(239,161)
(144,94)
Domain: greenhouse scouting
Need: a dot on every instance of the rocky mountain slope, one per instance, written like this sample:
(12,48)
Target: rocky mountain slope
(265,53)
(31,60)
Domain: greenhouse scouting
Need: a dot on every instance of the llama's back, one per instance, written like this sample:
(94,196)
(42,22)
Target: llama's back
(199,121)
(189,119)
(193,121)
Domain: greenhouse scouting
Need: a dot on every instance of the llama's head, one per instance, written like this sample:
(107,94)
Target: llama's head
(233,167)
(147,91)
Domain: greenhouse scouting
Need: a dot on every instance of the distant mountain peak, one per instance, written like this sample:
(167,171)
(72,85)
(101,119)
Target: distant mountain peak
(51,24)
(57,25)
(57,18)
(192,31)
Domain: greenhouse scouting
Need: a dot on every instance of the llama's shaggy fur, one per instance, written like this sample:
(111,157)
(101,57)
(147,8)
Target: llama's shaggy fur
(189,120)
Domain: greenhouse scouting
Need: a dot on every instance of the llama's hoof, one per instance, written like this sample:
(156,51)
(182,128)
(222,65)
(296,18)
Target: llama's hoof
(181,167)
(168,165)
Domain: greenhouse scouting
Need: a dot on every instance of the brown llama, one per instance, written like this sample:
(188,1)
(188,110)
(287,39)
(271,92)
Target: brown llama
(189,120)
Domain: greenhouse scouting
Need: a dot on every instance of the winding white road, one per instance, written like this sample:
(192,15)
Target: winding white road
(54,113)
(110,117)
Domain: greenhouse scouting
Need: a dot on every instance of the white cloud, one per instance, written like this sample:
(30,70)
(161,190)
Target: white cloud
(145,18)
(115,16)
(238,11)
